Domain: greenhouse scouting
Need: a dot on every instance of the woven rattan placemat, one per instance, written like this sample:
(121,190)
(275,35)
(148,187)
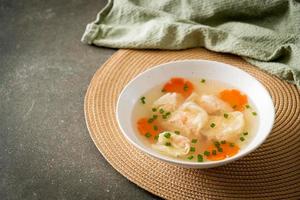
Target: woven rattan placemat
(270,172)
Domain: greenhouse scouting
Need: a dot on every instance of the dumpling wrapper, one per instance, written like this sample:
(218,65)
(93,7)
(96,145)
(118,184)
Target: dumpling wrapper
(189,118)
(228,129)
(180,145)
(168,102)
(210,103)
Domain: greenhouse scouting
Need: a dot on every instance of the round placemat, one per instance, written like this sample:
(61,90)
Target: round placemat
(270,172)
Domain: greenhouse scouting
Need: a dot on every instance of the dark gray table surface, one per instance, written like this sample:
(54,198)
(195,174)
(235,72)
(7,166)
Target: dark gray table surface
(45,149)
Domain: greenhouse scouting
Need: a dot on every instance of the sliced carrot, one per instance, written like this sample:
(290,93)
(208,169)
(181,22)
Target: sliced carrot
(144,127)
(228,151)
(179,85)
(234,98)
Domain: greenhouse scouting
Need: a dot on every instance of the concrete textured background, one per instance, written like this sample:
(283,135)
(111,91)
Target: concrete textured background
(45,149)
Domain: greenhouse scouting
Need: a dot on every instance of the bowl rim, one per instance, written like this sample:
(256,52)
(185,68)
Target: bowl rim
(206,164)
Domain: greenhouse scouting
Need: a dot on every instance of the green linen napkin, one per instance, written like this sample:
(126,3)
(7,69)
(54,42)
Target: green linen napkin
(265,33)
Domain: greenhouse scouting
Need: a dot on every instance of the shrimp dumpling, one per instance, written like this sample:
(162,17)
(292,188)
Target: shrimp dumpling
(189,118)
(171,144)
(168,102)
(227,129)
(210,103)
(213,104)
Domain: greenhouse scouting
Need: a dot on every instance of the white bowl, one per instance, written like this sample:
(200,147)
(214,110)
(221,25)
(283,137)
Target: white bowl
(196,69)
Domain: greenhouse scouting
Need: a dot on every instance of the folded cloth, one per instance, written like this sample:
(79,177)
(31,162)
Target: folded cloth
(265,33)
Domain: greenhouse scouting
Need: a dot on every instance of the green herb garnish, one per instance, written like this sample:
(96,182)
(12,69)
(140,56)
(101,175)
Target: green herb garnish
(185,87)
(245,133)
(223,142)
(168,144)
(217,144)
(161,111)
(143,100)
(156,137)
(212,125)
(192,149)
(214,152)
(155,128)
(165,116)
(150,120)
(177,132)
(154,109)
(202,80)
(154,117)
(148,135)
(247,106)
(220,149)
(226,115)
(242,139)
(231,145)
(207,153)
(167,135)
(200,158)
(254,113)
(190,157)
(163,90)
(194,140)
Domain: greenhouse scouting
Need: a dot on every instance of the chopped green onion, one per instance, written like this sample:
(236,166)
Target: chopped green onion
(242,139)
(207,153)
(177,132)
(143,100)
(231,145)
(161,111)
(156,137)
(154,117)
(185,87)
(226,115)
(220,149)
(245,133)
(168,144)
(254,113)
(247,106)
(190,157)
(167,135)
(223,142)
(154,109)
(150,120)
(165,116)
(200,158)
(214,152)
(148,135)
(155,128)
(192,149)
(217,144)
(203,80)
(212,125)
(194,140)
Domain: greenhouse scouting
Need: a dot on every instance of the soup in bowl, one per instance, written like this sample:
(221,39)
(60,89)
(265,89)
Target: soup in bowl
(195,113)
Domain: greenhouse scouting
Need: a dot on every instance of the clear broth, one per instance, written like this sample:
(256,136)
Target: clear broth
(210,87)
